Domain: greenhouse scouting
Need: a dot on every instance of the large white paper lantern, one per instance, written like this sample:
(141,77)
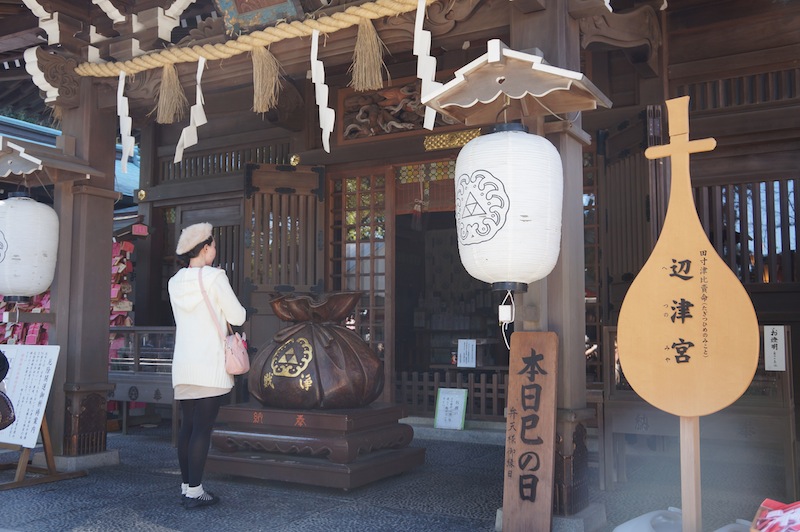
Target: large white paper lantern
(28,246)
(509,188)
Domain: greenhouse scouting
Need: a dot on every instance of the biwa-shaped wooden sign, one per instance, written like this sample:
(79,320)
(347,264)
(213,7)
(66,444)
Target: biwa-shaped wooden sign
(687,333)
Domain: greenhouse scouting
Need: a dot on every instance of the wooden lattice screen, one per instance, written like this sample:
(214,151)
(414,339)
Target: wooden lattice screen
(360,258)
(753,227)
(229,251)
(749,89)
(215,163)
(284,230)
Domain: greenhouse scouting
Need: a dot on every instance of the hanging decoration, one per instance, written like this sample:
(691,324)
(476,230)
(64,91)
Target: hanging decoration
(28,247)
(426,63)
(509,188)
(125,123)
(509,184)
(266,80)
(172,102)
(420,204)
(197,116)
(283,30)
(367,59)
(327,116)
(366,68)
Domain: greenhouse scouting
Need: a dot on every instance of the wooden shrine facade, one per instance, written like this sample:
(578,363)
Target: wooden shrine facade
(290,216)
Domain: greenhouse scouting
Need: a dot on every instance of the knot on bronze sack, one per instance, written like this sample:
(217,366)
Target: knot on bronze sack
(330,308)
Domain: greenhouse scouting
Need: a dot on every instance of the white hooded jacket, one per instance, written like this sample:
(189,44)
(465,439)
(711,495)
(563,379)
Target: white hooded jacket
(199,357)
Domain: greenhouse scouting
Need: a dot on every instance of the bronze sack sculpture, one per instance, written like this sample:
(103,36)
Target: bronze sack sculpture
(316,362)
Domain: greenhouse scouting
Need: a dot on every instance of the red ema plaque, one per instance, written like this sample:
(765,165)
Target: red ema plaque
(139,230)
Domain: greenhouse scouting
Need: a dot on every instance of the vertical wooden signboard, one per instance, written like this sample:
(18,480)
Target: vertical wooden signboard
(687,335)
(530,432)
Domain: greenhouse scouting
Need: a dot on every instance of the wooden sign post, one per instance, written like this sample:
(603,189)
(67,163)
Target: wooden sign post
(30,376)
(530,432)
(688,335)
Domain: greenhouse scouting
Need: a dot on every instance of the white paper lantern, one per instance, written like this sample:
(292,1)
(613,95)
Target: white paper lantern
(509,188)
(28,246)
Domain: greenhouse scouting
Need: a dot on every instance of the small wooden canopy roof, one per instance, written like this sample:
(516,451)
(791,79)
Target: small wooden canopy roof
(19,158)
(531,88)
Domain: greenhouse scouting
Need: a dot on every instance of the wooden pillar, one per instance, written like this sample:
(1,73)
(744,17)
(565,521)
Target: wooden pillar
(81,288)
(557,303)
(149,250)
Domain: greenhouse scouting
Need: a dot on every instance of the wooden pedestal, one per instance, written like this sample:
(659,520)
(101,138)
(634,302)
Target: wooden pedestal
(344,448)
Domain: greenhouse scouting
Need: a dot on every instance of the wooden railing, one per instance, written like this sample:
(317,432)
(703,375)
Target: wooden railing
(486,392)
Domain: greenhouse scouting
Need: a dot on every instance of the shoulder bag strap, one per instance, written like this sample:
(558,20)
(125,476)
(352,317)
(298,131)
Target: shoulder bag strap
(208,304)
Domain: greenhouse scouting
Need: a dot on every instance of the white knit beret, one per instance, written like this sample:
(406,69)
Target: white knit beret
(193,235)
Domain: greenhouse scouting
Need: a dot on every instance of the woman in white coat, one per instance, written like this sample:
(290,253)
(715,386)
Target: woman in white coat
(198,364)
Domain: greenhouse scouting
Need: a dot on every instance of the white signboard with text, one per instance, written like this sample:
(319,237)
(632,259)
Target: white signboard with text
(466,353)
(774,348)
(451,409)
(30,376)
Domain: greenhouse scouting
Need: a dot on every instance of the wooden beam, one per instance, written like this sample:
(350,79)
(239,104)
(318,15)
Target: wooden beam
(208,187)
(529,6)
(587,8)
(19,32)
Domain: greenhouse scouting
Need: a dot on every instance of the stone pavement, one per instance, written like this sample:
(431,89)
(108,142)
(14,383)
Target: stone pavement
(459,488)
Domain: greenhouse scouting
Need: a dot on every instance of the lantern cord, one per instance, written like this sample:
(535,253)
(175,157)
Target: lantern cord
(540,102)
(504,111)
(39,179)
(504,328)
(577,113)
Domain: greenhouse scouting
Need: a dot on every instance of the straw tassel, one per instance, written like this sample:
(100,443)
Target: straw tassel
(172,102)
(266,80)
(56,114)
(367,59)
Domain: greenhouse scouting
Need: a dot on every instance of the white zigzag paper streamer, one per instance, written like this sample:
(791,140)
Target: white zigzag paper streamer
(327,116)
(426,64)
(197,116)
(125,123)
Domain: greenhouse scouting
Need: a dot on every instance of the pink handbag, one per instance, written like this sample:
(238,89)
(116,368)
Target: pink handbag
(237,360)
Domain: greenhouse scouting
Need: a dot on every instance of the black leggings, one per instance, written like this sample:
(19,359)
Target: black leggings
(194,437)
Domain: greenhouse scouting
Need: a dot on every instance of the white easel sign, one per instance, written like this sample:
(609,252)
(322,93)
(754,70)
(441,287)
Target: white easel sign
(466,353)
(30,376)
(774,348)
(451,409)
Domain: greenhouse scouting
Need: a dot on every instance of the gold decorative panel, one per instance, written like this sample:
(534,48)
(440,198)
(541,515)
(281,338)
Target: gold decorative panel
(446,141)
